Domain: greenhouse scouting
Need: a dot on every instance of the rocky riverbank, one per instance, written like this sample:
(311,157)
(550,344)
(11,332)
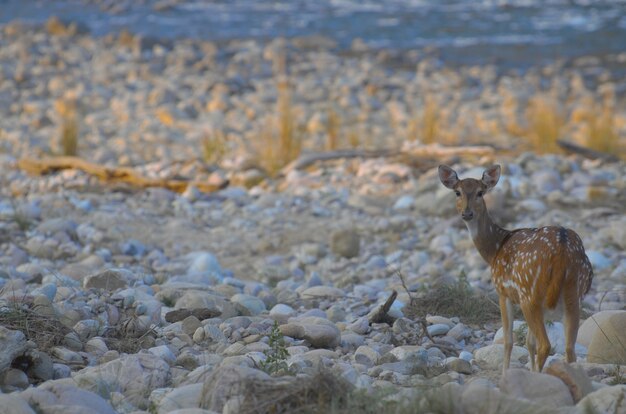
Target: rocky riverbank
(91,274)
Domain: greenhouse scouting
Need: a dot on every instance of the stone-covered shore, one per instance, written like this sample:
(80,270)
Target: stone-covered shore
(95,268)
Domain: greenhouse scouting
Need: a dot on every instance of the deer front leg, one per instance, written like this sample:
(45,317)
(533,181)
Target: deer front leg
(506,312)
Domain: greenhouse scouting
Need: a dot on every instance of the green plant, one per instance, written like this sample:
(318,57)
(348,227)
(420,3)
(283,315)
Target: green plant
(276,362)
(520,334)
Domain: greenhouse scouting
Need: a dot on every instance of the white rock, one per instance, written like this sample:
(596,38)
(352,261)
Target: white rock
(492,356)
(282,310)
(438,329)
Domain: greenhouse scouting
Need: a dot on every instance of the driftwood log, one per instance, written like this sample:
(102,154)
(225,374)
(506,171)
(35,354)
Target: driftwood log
(125,175)
(587,152)
(129,176)
(431,151)
(381,314)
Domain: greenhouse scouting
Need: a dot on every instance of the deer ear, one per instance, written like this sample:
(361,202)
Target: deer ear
(448,176)
(491,176)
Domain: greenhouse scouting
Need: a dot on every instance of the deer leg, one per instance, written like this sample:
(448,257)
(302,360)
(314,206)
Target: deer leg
(536,326)
(571,319)
(531,345)
(506,312)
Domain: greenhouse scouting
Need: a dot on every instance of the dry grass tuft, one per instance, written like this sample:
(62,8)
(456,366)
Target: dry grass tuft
(426,126)
(213,146)
(129,336)
(601,129)
(456,299)
(281,141)
(35,323)
(545,123)
(332,130)
(68,113)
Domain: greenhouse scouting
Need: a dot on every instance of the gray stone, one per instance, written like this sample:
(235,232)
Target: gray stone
(605,400)
(544,389)
(59,397)
(573,376)
(608,342)
(187,396)
(322,292)
(13,380)
(405,202)
(12,344)
(366,355)
(345,243)
(14,404)
(589,327)
(253,304)
(459,365)
(135,376)
(110,280)
(438,329)
(492,356)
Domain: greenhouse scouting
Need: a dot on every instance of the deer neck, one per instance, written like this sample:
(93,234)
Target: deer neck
(488,237)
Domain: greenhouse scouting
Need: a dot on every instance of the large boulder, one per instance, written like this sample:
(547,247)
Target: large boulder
(605,400)
(12,344)
(608,344)
(14,404)
(57,397)
(544,389)
(135,376)
(589,327)
(573,376)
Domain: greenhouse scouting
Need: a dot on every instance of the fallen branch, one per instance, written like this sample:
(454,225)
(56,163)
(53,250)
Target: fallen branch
(380,314)
(437,151)
(309,159)
(434,151)
(110,174)
(587,152)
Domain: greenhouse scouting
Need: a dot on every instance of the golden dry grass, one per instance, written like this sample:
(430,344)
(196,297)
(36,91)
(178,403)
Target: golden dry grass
(601,129)
(332,130)
(427,124)
(546,123)
(280,142)
(214,146)
(68,113)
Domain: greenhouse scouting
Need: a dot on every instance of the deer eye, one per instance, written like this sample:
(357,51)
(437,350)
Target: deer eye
(458,193)
(480,194)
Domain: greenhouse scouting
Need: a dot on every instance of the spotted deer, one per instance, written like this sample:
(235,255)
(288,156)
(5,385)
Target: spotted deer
(544,270)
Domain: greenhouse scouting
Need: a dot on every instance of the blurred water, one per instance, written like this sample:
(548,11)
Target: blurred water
(505,32)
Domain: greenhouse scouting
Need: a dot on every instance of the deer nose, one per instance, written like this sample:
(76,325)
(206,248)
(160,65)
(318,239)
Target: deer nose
(467,215)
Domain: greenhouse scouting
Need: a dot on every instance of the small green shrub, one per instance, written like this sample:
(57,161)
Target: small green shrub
(276,362)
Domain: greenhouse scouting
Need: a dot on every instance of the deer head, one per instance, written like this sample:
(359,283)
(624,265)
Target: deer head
(469,192)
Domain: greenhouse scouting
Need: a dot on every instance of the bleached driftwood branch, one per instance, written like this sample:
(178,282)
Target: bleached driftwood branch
(109,174)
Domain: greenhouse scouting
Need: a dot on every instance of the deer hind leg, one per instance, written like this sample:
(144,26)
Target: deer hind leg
(571,319)
(531,345)
(506,312)
(536,327)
